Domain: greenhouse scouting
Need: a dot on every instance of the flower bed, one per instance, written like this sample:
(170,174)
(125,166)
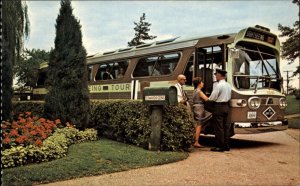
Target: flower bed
(30,140)
(27,130)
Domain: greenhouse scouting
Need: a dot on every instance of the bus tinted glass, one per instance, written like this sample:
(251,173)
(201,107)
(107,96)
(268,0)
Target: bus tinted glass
(156,65)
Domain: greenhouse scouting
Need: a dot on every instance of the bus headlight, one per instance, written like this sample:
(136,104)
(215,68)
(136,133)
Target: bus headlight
(254,103)
(282,103)
(241,103)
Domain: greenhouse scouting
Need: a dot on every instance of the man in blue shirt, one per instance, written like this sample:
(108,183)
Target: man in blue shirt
(221,95)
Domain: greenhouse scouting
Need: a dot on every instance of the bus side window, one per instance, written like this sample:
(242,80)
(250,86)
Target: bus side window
(120,69)
(100,72)
(156,65)
(144,67)
(188,72)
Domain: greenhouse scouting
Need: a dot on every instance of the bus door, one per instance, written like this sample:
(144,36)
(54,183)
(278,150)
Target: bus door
(208,59)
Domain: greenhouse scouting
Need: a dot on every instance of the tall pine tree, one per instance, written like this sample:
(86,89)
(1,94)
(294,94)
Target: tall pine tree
(15,24)
(291,47)
(141,32)
(68,96)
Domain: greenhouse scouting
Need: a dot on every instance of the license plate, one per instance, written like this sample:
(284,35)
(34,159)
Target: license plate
(251,115)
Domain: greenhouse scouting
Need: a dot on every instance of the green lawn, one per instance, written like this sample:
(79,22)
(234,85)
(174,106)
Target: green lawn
(87,159)
(294,123)
(293,105)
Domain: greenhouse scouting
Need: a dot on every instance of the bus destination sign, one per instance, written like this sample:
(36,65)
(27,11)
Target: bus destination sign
(254,34)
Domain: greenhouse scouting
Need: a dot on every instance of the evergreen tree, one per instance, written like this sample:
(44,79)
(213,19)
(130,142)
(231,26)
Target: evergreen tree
(68,96)
(15,25)
(291,47)
(141,32)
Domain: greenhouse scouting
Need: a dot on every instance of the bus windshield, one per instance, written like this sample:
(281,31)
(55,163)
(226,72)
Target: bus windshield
(256,67)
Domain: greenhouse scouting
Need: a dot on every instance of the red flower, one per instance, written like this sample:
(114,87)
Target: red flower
(29,119)
(6,141)
(57,121)
(33,133)
(42,120)
(22,120)
(20,140)
(14,132)
(38,142)
(44,136)
(28,113)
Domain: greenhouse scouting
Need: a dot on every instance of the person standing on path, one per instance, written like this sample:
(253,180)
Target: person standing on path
(221,96)
(181,94)
(200,114)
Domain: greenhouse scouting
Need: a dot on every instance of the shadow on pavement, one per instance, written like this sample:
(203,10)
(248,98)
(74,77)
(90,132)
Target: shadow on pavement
(209,141)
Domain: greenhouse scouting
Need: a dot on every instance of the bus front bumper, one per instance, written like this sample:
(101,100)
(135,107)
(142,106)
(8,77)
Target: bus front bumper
(253,128)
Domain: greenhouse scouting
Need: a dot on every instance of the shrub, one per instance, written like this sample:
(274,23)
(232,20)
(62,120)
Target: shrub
(297,94)
(35,107)
(55,146)
(128,121)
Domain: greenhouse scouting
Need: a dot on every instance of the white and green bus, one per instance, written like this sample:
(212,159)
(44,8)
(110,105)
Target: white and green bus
(250,56)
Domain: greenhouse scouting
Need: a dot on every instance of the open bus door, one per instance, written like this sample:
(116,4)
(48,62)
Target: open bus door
(203,70)
(207,60)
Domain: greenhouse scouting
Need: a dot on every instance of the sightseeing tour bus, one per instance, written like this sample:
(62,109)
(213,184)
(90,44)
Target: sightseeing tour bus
(251,58)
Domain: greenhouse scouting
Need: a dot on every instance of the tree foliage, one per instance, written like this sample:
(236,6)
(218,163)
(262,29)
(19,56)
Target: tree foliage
(141,32)
(291,47)
(15,25)
(68,96)
(27,67)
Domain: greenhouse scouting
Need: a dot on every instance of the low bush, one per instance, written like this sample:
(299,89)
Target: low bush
(297,94)
(55,146)
(35,107)
(128,121)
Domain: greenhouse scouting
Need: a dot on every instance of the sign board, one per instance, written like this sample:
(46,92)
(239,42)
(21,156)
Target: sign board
(155,98)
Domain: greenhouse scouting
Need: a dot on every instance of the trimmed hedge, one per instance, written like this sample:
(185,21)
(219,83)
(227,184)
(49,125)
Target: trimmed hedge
(54,147)
(35,107)
(128,121)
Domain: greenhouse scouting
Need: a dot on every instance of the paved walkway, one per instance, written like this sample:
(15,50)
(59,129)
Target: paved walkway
(257,159)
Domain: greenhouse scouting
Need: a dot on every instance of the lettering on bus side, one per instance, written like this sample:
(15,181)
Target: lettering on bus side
(123,87)
(120,87)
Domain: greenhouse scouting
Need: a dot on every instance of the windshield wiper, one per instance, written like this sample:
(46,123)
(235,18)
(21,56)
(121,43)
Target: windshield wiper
(263,62)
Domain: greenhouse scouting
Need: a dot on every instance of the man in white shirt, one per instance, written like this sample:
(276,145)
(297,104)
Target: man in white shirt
(221,95)
(181,94)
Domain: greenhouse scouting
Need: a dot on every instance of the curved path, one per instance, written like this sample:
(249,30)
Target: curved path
(259,159)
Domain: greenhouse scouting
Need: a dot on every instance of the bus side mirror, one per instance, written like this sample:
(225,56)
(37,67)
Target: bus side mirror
(235,53)
(160,96)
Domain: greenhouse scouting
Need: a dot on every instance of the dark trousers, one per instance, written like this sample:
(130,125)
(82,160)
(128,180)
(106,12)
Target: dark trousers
(222,128)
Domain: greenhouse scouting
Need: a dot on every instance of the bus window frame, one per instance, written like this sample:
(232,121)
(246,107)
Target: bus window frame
(186,64)
(158,55)
(109,62)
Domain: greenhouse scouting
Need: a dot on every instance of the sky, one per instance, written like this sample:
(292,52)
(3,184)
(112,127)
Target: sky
(108,25)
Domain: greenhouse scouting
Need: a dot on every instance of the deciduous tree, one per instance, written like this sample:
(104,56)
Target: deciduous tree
(291,47)
(15,25)
(27,67)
